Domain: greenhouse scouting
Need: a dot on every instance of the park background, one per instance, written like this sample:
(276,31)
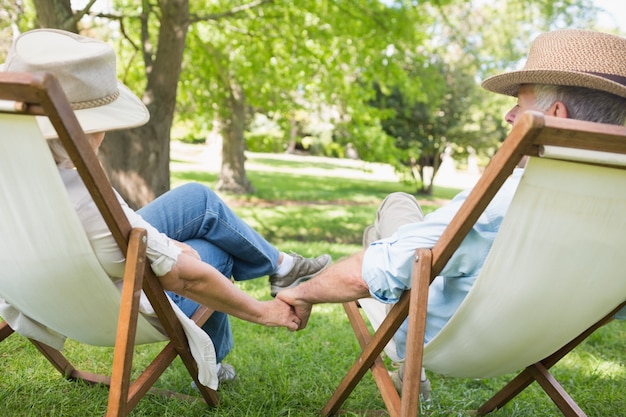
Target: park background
(289,88)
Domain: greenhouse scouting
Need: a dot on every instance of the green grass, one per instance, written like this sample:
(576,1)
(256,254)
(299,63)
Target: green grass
(293,374)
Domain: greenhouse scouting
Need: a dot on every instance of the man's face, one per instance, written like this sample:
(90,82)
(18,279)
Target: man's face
(525,101)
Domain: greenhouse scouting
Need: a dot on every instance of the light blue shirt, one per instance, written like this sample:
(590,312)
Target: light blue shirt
(388,263)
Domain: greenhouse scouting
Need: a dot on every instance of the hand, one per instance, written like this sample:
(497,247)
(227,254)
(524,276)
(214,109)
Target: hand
(279,313)
(301,308)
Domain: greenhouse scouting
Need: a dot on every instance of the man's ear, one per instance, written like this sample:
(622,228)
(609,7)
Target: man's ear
(558,109)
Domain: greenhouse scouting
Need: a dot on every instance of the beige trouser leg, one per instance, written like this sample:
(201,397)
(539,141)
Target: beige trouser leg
(396,210)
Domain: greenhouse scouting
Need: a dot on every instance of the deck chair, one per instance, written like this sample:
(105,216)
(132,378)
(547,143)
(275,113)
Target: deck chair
(50,274)
(553,275)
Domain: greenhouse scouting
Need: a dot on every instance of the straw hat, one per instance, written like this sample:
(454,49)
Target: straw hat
(85,68)
(571,57)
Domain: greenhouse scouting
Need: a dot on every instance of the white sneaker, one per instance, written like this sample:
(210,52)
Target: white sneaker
(425,388)
(225,372)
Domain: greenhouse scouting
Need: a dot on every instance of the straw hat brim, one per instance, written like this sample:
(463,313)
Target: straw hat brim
(126,112)
(509,83)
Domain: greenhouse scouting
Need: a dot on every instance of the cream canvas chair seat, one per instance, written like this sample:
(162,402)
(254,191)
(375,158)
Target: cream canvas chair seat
(554,270)
(50,291)
(51,281)
(553,275)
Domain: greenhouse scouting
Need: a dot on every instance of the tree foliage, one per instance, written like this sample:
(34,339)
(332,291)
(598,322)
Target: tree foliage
(424,130)
(467,43)
(307,67)
(284,59)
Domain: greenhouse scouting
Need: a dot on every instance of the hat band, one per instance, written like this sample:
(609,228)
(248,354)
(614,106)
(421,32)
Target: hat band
(611,77)
(102,101)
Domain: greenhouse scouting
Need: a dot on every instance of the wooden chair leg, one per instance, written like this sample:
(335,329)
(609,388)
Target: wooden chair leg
(555,391)
(144,382)
(124,394)
(506,394)
(379,370)
(358,370)
(539,370)
(415,336)
(173,328)
(127,324)
(58,360)
(5,330)
(374,346)
(412,303)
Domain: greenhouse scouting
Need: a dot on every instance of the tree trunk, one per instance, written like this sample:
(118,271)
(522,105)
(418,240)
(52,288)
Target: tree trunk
(293,132)
(56,14)
(232,176)
(137,161)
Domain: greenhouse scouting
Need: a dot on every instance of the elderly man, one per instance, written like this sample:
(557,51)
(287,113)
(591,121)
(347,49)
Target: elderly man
(577,74)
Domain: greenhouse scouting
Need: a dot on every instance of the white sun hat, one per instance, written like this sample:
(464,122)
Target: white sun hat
(85,68)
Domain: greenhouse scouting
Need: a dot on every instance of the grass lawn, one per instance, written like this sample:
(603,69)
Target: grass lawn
(310,206)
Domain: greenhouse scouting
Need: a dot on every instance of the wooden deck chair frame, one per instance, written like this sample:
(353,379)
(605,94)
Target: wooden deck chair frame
(528,137)
(41,94)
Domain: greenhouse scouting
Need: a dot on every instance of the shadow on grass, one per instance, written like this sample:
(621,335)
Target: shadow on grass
(293,207)
(297,164)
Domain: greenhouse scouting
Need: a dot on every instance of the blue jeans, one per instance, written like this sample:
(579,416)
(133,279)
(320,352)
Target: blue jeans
(195,215)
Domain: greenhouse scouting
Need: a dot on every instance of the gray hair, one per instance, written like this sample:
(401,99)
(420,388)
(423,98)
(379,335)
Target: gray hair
(59,153)
(583,103)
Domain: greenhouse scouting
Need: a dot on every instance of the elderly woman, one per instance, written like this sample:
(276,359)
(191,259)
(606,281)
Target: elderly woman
(195,242)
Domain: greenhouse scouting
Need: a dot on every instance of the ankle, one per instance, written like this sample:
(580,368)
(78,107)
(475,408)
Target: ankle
(285,264)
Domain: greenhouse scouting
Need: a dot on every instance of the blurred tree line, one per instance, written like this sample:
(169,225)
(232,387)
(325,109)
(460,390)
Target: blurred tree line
(397,81)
